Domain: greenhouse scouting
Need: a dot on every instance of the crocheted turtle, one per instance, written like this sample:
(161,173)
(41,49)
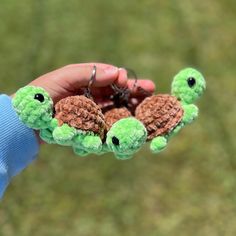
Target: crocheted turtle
(125,137)
(113,115)
(75,121)
(164,115)
(81,117)
(125,134)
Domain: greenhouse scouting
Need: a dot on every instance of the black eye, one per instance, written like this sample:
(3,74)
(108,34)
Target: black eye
(39,97)
(191,82)
(115,141)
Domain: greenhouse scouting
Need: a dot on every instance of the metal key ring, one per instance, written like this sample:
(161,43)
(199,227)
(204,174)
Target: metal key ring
(90,83)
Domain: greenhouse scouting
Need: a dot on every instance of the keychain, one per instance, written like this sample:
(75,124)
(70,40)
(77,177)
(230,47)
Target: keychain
(126,134)
(164,115)
(79,122)
(75,121)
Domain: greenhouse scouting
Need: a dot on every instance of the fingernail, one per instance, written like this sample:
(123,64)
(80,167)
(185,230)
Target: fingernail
(111,70)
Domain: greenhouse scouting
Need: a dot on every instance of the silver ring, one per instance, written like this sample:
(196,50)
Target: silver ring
(93,76)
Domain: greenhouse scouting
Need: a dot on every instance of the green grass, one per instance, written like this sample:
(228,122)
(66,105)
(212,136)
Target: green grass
(190,189)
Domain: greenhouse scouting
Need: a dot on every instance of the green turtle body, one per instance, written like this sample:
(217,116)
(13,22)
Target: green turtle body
(76,121)
(164,115)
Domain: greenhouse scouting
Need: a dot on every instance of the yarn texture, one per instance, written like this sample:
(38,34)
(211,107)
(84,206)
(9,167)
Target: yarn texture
(35,113)
(126,137)
(164,115)
(115,114)
(75,121)
(159,114)
(81,113)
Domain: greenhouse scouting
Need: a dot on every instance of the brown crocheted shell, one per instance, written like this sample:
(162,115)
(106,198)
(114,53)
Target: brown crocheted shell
(159,114)
(81,113)
(114,115)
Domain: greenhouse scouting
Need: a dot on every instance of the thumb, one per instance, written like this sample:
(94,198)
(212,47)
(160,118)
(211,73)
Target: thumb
(78,75)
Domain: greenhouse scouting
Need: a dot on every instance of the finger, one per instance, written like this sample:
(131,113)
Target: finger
(73,77)
(122,78)
(145,85)
(79,76)
(98,64)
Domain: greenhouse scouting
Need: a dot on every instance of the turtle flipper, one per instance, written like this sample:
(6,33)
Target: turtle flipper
(190,113)
(64,134)
(92,143)
(158,144)
(104,149)
(123,156)
(79,151)
(88,142)
(46,136)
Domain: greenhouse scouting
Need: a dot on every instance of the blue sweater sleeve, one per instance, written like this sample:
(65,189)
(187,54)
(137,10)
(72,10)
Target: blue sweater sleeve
(18,143)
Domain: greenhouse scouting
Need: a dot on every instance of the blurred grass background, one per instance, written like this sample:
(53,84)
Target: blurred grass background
(189,189)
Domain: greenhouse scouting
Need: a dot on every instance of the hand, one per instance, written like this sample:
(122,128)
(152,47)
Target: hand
(69,80)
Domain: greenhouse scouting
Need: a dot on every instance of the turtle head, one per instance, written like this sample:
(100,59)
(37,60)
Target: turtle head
(125,137)
(33,106)
(188,85)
